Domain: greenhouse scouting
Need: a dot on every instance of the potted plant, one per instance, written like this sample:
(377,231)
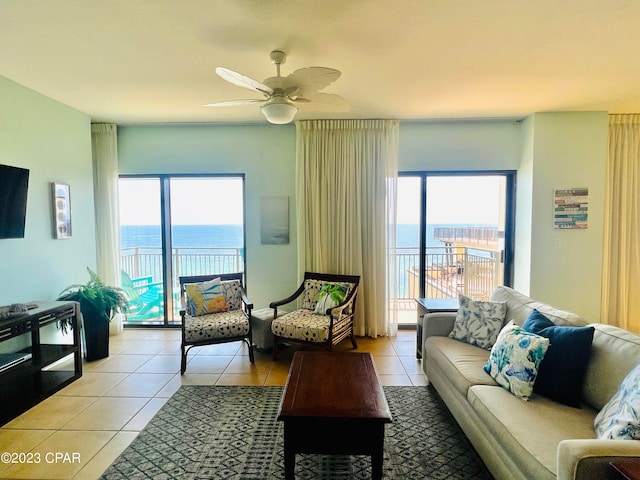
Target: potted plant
(98,304)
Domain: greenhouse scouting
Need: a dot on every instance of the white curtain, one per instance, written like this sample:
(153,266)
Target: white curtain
(346,173)
(621,266)
(105,185)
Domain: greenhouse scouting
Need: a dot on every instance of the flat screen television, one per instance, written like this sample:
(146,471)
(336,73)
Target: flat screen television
(14,182)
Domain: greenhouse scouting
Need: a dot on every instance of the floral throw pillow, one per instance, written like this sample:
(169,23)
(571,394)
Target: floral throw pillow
(331,295)
(515,359)
(619,419)
(205,298)
(478,322)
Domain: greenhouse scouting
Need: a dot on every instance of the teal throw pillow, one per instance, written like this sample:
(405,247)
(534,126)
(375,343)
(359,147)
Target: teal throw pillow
(619,419)
(515,359)
(562,371)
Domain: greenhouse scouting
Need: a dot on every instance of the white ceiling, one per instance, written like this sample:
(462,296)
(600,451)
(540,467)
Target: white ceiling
(146,61)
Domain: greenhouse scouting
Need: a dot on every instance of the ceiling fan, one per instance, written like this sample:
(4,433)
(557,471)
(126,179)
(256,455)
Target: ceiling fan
(283,96)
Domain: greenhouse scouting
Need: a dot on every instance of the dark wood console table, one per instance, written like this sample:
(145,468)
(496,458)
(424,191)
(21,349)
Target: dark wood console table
(39,376)
(431,305)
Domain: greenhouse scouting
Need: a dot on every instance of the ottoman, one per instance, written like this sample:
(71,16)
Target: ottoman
(261,329)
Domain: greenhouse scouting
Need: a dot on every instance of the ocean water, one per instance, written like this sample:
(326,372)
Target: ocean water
(231,235)
(182,236)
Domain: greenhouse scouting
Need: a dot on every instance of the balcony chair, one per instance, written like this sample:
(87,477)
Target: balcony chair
(144,297)
(215,309)
(326,308)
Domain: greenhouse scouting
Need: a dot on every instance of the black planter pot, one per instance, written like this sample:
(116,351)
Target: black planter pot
(95,336)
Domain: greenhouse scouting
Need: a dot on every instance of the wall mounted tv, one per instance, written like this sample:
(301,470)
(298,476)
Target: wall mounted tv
(14,182)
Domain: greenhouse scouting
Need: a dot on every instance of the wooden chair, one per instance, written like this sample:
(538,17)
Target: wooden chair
(205,328)
(312,323)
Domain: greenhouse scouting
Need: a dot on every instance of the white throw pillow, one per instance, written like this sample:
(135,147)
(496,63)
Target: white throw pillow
(515,359)
(619,419)
(478,322)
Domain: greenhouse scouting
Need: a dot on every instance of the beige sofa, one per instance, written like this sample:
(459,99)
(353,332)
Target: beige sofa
(540,438)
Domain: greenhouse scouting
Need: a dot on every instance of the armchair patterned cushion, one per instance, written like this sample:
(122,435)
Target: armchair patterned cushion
(230,324)
(307,324)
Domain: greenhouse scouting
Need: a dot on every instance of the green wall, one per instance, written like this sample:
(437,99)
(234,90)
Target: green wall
(54,142)
(265,154)
(549,150)
(459,145)
(569,149)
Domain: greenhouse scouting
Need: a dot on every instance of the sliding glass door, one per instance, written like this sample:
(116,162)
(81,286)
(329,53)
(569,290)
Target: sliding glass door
(454,236)
(172,226)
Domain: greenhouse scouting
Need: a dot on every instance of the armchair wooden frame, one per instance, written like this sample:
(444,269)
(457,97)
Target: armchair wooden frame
(340,317)
(247,306)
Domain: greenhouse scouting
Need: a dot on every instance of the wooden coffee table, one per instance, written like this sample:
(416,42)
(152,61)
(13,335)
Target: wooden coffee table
(628,470)
(333,403)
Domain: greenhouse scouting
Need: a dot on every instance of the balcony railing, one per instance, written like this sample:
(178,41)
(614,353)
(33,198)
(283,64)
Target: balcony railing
(144,261)
(449,271)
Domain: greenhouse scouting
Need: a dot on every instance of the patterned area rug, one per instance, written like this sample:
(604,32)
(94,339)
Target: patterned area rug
(231,432)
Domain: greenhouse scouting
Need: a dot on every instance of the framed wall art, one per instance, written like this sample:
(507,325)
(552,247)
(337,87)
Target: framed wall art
(274,220)
(61,203)
(571,208)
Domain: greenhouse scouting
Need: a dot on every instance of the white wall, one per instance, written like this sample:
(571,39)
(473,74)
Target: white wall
(264,153)
(54,142)
(524,212)
(459,145)
(548,150)
(569,150)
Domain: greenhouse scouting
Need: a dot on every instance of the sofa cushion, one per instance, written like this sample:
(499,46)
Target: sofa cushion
(460,362)
(515,359)
(233,323)
(478,322)
(518,426)
(562,370)
(302,325)
(614,353)
(620,417)
(519,306)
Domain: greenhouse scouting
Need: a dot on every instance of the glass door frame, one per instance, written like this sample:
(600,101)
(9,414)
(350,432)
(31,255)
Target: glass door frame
(509,220)
(166,237)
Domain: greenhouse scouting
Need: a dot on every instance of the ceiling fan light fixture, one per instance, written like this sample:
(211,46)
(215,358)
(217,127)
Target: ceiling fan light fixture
(279,110)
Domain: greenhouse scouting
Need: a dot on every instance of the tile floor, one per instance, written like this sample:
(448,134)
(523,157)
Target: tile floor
(77,433)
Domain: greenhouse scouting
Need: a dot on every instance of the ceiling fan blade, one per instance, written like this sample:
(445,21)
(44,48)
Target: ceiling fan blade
(326,102)
(242,81)
(233,103)
(312,78)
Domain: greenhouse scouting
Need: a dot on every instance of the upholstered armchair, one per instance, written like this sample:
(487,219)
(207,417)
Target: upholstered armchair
(326,308)
(215,309)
